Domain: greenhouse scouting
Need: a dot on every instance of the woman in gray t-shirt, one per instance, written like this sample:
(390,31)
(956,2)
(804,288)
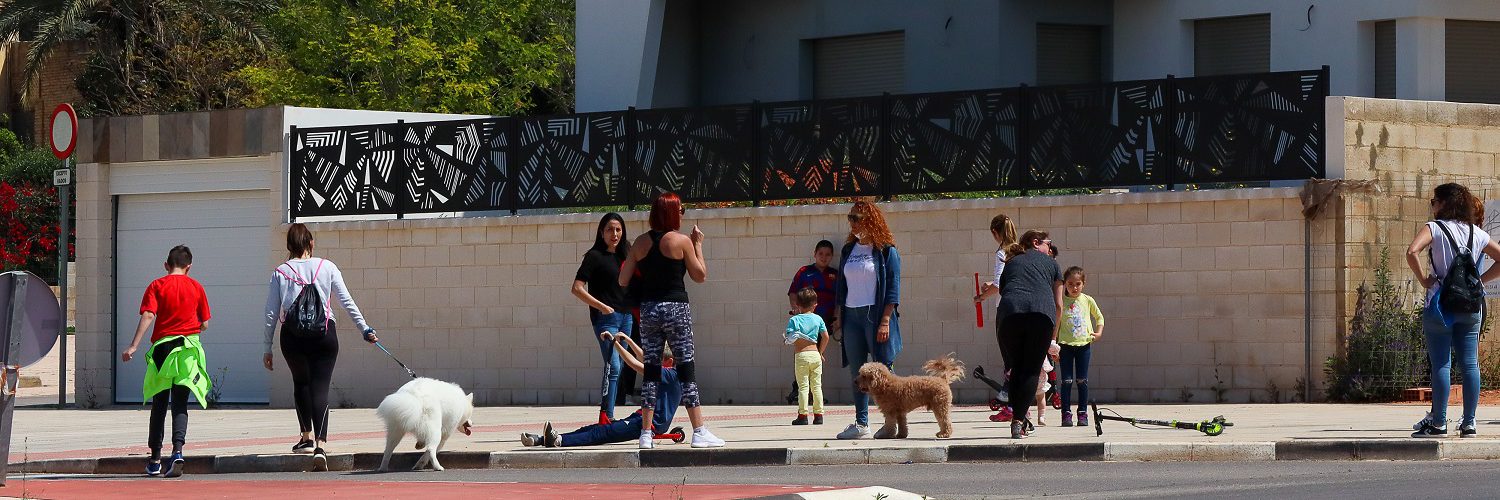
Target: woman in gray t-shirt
(1031,295)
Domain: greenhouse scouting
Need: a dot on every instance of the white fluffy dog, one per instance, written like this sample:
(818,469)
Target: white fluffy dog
(428,409)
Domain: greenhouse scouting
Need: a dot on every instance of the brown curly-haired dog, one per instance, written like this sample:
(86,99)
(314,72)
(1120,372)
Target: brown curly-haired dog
(897,396)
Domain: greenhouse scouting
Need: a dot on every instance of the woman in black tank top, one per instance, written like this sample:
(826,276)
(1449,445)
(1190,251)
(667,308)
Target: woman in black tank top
(661,277)
(664,256)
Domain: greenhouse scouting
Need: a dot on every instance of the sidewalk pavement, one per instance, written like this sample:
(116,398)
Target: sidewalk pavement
(257,440)
(46,371)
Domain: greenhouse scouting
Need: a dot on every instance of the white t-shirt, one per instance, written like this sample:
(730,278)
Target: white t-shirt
(327,280)
(1442,251)
(999,267)
(859,273)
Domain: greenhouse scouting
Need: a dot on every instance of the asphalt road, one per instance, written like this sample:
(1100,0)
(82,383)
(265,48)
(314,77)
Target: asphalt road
(1310,480)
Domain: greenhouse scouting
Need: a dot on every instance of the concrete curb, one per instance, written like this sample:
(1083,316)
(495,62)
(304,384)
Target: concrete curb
(1190,452)
(1366,449)
(550,459)
(848,456)
(1359,450)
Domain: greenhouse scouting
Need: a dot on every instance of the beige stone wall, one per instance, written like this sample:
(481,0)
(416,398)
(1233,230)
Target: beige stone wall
(1201,290)
(1409,147)
(93,380)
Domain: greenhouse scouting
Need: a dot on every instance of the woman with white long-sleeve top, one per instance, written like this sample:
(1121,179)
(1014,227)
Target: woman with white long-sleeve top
(310,354)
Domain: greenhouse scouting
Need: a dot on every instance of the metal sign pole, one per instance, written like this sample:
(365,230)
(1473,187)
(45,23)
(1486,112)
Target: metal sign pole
(10,348)
(62,287)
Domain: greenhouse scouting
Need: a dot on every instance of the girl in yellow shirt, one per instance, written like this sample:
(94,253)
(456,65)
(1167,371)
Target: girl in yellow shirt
(1082,324)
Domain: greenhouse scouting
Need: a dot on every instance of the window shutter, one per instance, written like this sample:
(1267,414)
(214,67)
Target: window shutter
(1232,45)
(1385,59)
(1471,74)
(1068,54)
(861,65)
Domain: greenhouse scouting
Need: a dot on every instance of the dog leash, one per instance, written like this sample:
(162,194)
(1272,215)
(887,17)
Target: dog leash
(398,361)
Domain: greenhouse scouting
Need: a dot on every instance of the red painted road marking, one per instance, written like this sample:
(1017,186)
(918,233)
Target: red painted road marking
(151,489)
(235,443)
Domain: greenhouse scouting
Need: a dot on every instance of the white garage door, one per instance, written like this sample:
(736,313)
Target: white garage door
(227,233)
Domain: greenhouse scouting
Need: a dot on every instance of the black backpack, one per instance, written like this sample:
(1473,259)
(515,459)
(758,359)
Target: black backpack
(1461,291)
(306,318)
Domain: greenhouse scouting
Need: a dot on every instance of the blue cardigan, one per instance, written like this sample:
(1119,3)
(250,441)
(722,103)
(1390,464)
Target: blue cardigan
(887,291)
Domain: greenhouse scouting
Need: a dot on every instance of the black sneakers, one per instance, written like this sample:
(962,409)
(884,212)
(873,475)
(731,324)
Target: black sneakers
(529,439)
(304,446)
(1467,430)
(550,437)
(1427,430)
(801,420)
(320,460)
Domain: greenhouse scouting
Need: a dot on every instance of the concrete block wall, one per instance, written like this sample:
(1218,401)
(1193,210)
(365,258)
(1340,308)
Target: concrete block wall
(1202,291)
(1409,147)
(93,378)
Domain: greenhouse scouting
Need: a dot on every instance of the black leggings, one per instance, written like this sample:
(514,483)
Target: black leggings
(999,338)
(178,395)
(1025,337)
(311,362)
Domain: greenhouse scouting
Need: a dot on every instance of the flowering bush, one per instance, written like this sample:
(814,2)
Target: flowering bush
(1385,352)
(28,229)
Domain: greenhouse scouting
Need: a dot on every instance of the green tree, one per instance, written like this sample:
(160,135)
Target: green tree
(146,56)
(453,56)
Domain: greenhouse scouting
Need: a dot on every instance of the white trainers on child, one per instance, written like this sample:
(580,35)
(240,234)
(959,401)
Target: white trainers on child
(648,440)
(702,438)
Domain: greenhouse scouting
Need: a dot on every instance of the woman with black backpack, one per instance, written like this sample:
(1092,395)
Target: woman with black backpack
(1456,245)
(304,314)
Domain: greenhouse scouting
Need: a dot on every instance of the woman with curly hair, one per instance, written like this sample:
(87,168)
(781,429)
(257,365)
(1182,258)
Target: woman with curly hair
(1452,327)
(867,293)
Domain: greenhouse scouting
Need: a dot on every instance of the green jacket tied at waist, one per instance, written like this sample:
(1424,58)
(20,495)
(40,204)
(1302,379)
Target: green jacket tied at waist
(185,365)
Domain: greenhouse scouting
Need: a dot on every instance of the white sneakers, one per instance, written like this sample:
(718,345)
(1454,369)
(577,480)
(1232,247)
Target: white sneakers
(855,431)
(702,438)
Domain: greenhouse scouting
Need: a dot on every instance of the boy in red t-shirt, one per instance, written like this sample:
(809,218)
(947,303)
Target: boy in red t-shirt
(179,307)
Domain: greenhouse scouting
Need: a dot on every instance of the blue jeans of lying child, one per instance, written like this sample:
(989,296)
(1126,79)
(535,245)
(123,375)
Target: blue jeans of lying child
(619,431)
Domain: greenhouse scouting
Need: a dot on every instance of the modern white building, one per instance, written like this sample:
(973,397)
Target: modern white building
(670,53)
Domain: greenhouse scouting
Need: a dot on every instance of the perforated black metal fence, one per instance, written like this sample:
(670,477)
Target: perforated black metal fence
(1166,132)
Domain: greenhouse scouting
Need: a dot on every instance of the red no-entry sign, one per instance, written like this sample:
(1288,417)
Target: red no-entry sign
(64,131)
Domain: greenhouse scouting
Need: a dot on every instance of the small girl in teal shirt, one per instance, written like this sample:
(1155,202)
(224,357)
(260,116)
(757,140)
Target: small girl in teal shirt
(808,336)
